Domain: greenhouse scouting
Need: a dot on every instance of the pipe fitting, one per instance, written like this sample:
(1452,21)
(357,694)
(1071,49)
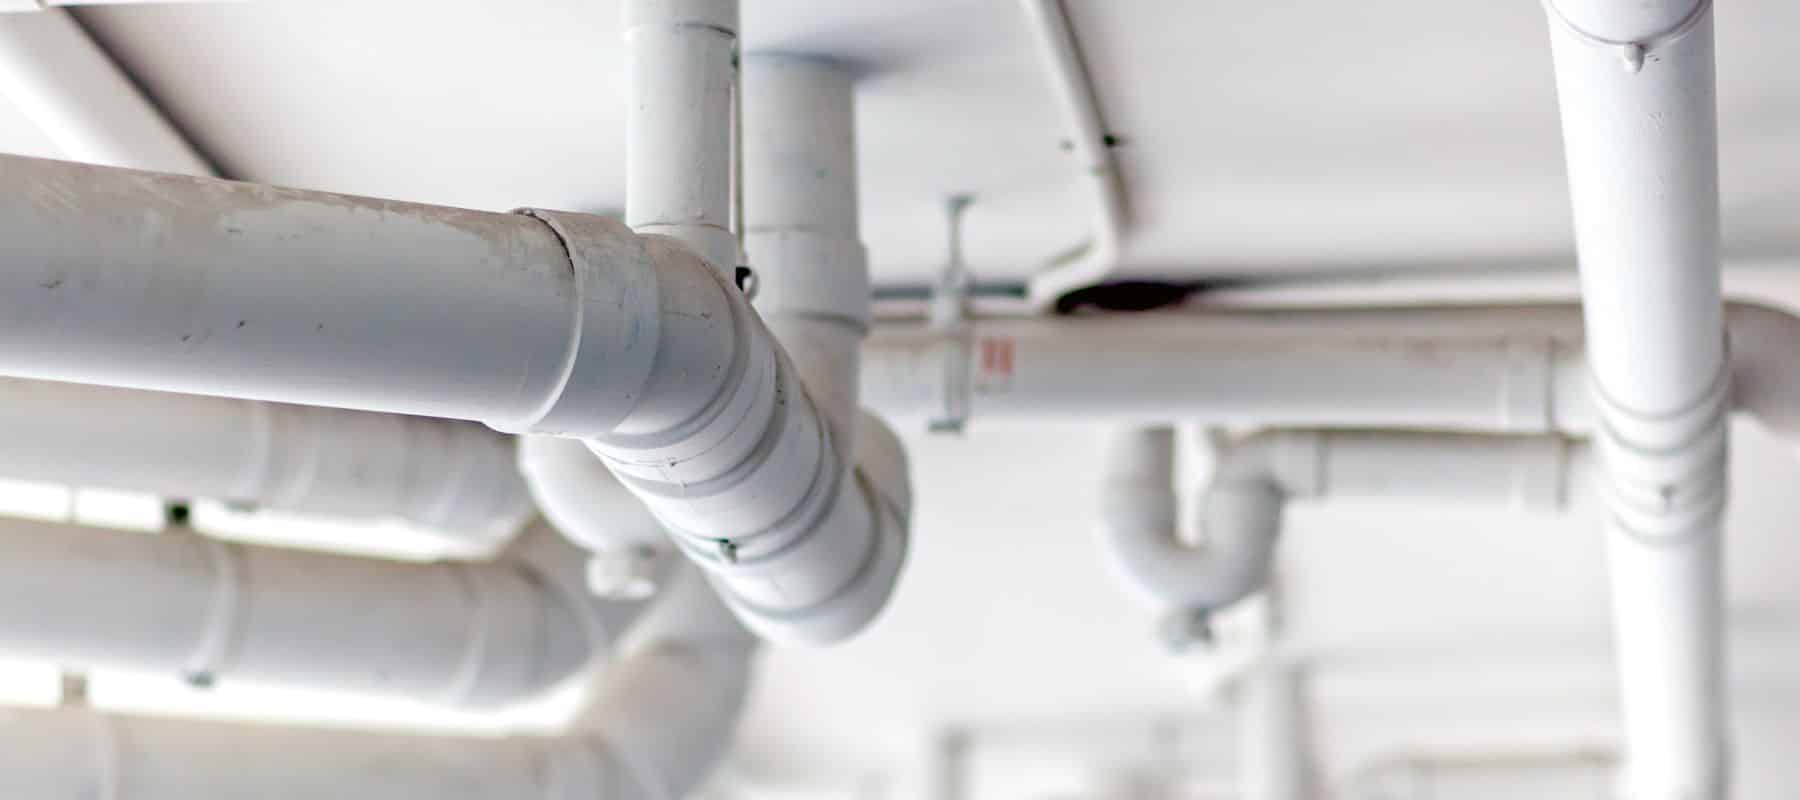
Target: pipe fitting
(1665,476)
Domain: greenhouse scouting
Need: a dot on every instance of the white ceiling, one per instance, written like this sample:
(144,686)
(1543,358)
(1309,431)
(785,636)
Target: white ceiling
(1261,139)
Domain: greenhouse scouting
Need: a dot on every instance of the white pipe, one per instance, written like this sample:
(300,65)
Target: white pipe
(581,498)
(668,710)
(466,634)
(1635,84)
(1088,144)
(62,81)
(682,68)
(1502,369)
(544,322)
(1239,513)
(451,477)
(661,717)
(1272,730)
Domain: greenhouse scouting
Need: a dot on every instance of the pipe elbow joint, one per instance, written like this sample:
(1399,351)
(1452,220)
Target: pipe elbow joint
(1240,518)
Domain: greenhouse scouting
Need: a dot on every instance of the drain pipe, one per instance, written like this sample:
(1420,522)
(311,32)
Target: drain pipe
(62,81)
(453,478)
(1091,147)
(661,716)
(682,57)
(474,635)
(1635,85)
(1239,514)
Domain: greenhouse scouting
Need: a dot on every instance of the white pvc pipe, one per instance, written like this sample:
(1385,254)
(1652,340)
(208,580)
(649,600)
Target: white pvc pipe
(1635,84)
(89,108)
(451,477)
(466,634)
(1239,513)
(581,498)
(683,67)
(1088,144)
(72,753)
(1272,730)
(802,231)
(1501,369)
(542,321)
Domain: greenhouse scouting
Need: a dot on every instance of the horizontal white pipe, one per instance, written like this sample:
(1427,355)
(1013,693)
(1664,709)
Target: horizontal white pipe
(60,79)
(682,72)
(1239,513)
(1495,369)
(540,322)
(662,716)
(452,477)
(467,634)
(1089,146)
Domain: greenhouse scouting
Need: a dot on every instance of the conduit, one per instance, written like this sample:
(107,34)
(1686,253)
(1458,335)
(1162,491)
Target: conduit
(662,714)
(542,322)
(452,477)
(1635,85)
(61,80)
(682,68)
(473,635)
(1090,146)
(1239,513)
(1501,369)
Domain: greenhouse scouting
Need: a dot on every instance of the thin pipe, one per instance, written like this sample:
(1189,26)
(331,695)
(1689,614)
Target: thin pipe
(1091,147)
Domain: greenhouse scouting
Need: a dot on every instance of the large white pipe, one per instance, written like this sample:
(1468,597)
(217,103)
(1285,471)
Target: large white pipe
(1516,369)
(467,634)
(1090,146)
(660,718)
(1635,84)
(1239,513)
(451,477)
(544,322)
(62,81)
(682,73)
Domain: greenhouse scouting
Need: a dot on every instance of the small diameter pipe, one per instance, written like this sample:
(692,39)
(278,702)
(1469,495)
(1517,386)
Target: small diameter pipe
(454,478)
(682,70)
(62,81)
(1239,513)
(1089,145)
(474,635)
(1272,735)
(1635,86)
(662,716)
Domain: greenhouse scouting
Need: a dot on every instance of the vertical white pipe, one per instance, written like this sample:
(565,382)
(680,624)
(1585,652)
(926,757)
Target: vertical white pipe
(802,232)
(683,67)
(1635,84)
(1272,735)
(72,90)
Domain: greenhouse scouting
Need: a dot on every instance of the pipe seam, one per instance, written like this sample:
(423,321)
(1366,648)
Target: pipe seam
(1665,480)
(1644,43)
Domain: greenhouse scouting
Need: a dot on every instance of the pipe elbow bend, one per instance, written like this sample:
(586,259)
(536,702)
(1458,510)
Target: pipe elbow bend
(1765,380)
(580,497)
(1240,520)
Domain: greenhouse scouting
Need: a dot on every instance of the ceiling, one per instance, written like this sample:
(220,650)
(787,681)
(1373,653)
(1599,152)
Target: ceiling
(1261,139)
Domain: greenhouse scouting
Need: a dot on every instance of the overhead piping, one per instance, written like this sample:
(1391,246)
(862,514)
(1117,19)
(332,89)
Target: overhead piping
(453,478)
(72,90)
(1090,145)
(661,715)
(1493,369)
(1240,510)
(476,635)
(1635,85)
